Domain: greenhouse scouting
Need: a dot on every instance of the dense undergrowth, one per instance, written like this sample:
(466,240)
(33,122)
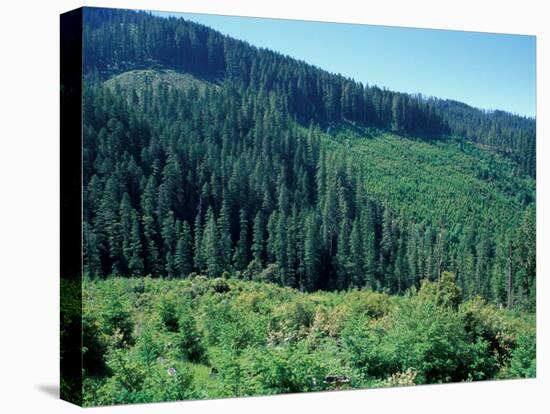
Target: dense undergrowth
(154,340)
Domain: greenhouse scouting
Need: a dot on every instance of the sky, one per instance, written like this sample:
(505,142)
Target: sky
(485,70)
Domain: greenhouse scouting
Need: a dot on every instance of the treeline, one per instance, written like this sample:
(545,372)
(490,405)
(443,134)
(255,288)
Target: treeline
(118,40)
(223,180)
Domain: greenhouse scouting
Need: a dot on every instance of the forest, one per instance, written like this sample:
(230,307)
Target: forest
(307,219)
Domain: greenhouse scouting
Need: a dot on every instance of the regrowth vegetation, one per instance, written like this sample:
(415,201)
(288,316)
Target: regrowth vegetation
(209,338)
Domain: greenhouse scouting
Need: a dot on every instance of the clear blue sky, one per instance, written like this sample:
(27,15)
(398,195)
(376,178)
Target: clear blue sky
(485,70)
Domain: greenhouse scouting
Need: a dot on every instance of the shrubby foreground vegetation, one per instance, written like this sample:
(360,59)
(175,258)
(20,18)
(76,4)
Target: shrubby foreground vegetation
(157,340)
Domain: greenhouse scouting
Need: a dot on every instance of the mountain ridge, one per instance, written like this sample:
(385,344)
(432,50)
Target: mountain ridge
(311,93)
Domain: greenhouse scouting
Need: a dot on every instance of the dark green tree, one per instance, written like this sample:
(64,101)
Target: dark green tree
(240,255)
(184,252)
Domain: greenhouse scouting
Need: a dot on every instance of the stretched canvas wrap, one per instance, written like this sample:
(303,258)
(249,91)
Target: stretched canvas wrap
(261,206)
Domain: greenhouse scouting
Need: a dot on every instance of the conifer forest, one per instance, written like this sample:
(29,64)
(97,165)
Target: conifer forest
(253,224)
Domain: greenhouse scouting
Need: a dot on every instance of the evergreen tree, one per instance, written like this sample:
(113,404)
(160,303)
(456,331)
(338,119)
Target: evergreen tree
(356,255)
(277,139)
(224,238)
(387,247)
(184,255)
(111,226)
(135,263)
(210,245)
(92,262)
(526,254)
(292,241)
(311,252)
(272,237)
(199,260)
(168,233)
(125,212)
(342,257)
(369,246)
(240,256)
(148,206)
(258,238)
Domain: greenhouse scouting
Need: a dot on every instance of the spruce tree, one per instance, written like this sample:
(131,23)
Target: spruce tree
(198,253)
(184,256)
(311,252)
(168,233)
(224,235)
(240,256)
(135,263)
(356,255)
(111,226)
(257,247)
(125,212)
(367,224)
(211,246)
(92,262)
(148,205)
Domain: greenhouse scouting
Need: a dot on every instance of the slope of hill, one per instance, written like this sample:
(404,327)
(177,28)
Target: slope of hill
(255,225)
(119,40)
(223,177)
(447,181)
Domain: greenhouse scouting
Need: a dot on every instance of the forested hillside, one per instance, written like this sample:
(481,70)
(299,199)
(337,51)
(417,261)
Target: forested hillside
(203,154)
(253,224)
(118,40)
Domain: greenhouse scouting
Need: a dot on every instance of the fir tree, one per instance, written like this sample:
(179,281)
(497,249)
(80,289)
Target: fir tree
(240,256)
(184,256)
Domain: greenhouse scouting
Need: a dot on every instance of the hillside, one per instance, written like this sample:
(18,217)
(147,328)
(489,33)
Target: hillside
(255,225)
(120,40)
(470,204)
(195,168)
(446,181)
(202,163)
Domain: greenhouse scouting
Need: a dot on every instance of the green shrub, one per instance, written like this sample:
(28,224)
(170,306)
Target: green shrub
(482,320)
(329,322)
(428,339)
(117,322)
(444,292)
(168,313)
(188,339)
(401,379)
(373,304)
(429,335)
(270,274)
(220,285)
(288,369)
(136,382)
(148,350)
(94,346)
(297,314)
(365,349)
(523,363)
